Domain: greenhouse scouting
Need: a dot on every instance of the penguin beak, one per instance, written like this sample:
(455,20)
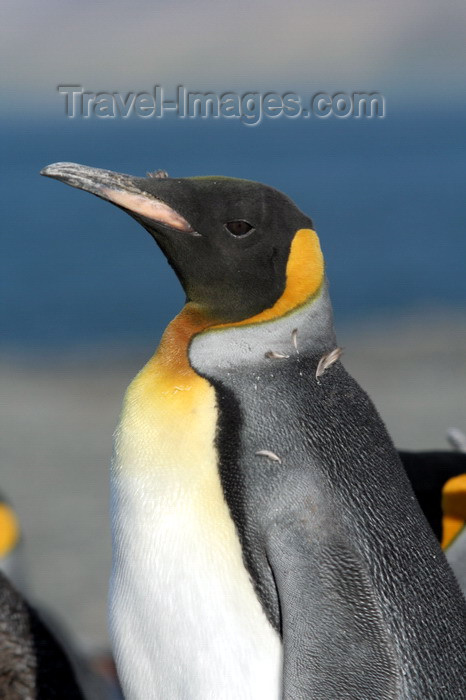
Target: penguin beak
(124,191)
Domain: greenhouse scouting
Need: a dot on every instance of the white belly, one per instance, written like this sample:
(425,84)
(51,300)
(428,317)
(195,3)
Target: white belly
(185,620)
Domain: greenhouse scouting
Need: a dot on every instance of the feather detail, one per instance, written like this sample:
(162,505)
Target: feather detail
(457,439)
(327,360)
(272,355)
(294,338)
(158,174)
(269,455)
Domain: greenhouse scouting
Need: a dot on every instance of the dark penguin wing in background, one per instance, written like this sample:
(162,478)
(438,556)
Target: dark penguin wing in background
(32,663)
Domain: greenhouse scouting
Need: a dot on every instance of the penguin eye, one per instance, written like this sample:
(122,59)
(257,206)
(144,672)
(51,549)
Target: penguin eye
(239,227)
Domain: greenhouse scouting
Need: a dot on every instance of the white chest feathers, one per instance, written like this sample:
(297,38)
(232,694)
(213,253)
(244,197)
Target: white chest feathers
(185,621)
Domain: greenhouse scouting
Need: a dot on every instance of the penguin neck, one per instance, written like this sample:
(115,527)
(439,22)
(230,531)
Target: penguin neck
(195,343)
(300,319)
(194,348)
(170,363)
(306,329)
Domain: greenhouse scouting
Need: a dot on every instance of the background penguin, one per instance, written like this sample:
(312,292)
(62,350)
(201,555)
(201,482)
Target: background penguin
(11,545)
(267,542)
(454,526)
(37,657)
(33,664)
(439,482)
(456,555)
(429,473)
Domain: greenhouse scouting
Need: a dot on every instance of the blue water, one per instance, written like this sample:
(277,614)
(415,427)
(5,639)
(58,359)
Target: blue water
(387,197)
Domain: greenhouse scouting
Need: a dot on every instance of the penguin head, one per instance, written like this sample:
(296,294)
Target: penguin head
(230,241)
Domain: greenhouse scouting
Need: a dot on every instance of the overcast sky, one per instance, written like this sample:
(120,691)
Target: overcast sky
(412,47)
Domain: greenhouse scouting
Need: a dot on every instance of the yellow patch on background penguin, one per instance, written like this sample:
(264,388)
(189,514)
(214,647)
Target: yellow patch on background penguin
(454,508)
(9,529)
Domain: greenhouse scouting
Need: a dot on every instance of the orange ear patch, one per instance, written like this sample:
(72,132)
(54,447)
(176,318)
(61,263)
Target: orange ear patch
(304,277)
(454,508)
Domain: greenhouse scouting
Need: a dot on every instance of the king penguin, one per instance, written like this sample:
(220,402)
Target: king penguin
(266,540)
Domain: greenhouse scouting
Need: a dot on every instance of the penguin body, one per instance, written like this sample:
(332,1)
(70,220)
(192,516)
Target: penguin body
(175,545)
(333,527)
(305,519)
(267,542)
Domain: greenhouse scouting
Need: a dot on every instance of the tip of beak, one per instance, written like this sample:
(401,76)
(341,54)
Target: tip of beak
(57,169)
(83,177)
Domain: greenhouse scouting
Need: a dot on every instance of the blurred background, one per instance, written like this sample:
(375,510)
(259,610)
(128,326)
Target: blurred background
(85,293)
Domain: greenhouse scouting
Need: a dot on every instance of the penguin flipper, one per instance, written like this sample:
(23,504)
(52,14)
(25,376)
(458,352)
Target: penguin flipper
(334,638)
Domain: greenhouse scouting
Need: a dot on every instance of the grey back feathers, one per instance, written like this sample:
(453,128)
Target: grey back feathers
(340,554)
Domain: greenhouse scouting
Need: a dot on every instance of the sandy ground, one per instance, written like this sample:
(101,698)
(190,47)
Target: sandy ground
(57,419)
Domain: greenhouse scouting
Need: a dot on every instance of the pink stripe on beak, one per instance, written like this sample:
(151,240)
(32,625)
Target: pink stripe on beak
(148,207)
